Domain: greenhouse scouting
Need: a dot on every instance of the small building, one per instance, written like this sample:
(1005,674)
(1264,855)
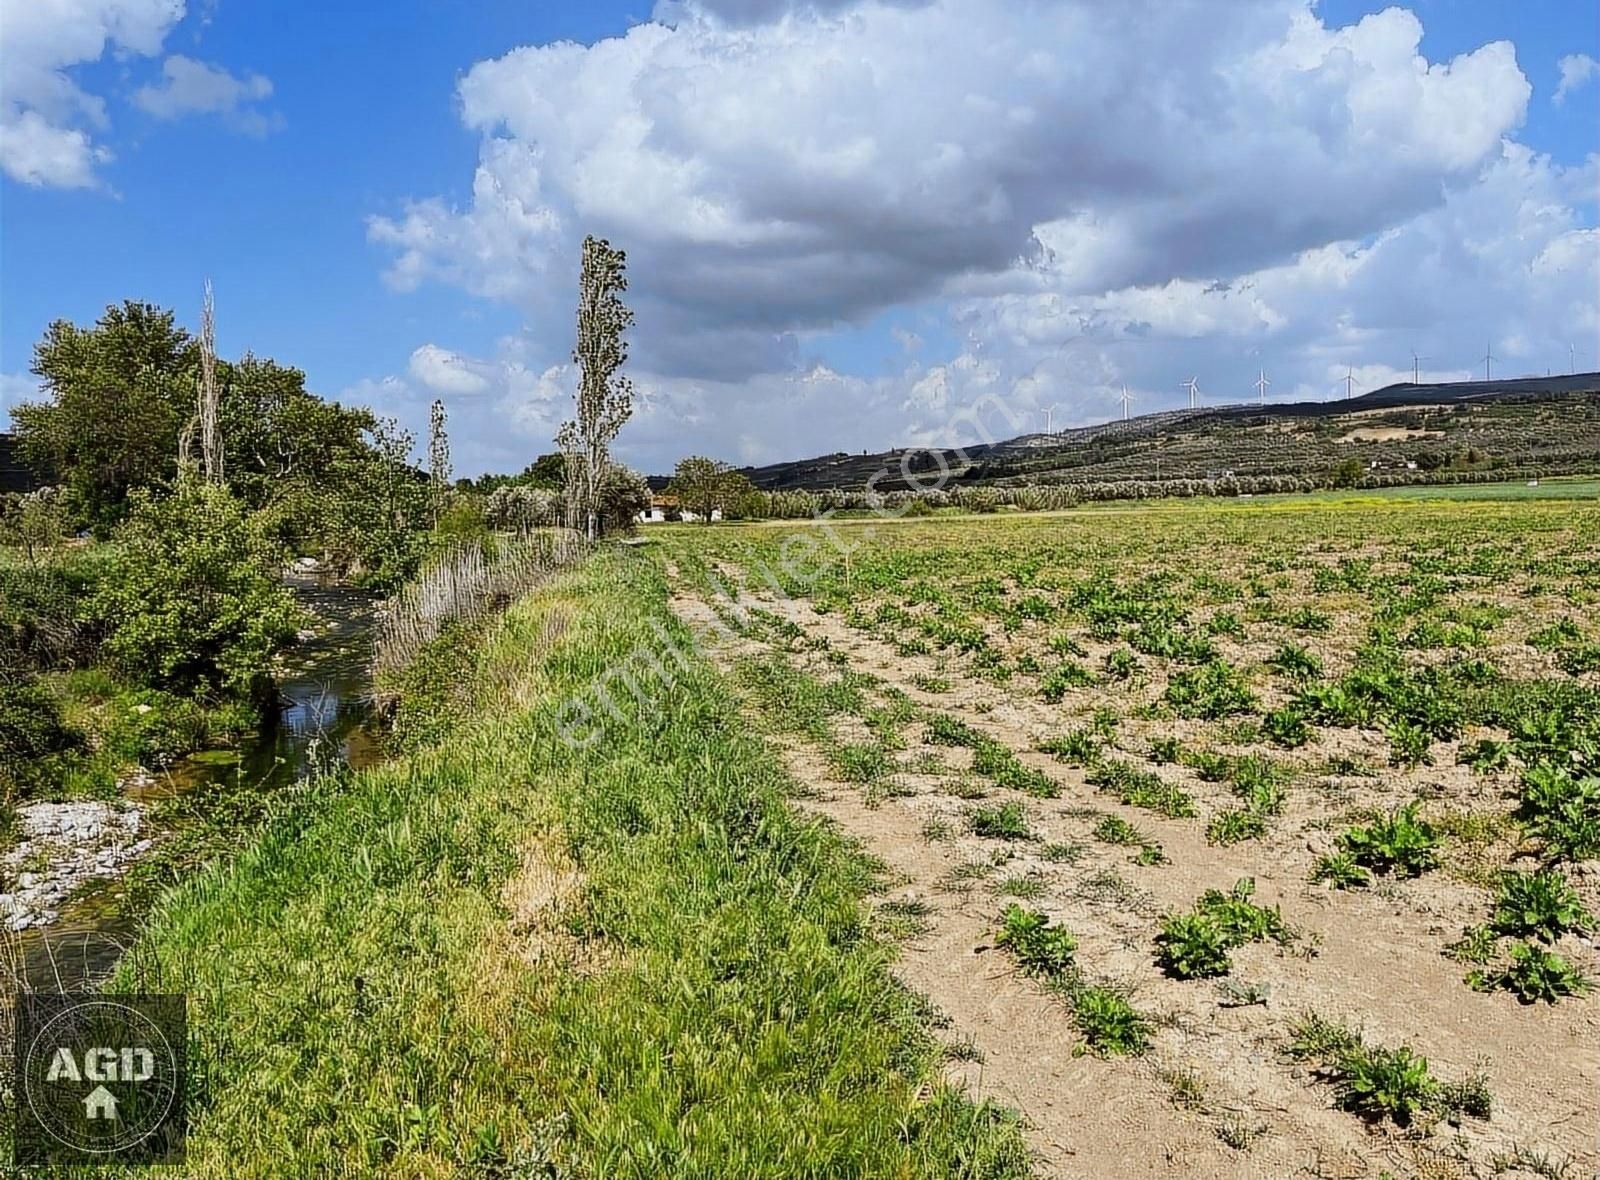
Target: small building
(662,506)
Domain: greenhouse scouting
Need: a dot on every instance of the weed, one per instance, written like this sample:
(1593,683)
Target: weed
(1340,870)
(1485,755)
(1113,829)
(1140,788)
(1532,974)
(1378,1083)
(1185,1088)
(1477,944)
(1110,1025)
(1061,853)
(933,684)
(1212,690)
(1039,947)
(996,760)
(936,830)
(1026,887)
(1397,843)
(1541,905)
(1234,825)
(1079,747)
(1007,821)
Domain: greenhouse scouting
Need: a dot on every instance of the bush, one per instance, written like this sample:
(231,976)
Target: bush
(31,730)
(196,604)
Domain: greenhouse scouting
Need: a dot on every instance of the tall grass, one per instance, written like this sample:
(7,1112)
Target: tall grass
(369,997)
(468,582)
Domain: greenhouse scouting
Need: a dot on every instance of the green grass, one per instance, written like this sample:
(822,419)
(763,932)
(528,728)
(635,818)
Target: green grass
(709,1002)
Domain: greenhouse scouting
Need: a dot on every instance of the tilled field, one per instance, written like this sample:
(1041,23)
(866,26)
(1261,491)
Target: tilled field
(1226,842)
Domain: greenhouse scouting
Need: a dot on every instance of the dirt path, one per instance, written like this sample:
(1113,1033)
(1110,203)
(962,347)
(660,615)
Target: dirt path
(1216,1097)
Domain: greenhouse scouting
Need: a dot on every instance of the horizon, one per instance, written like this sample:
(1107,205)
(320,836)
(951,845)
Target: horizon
(1040,222)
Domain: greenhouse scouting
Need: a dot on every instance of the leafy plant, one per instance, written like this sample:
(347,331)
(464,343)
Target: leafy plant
(1113,829)
(1040,948)
(1296,662)
(1286,727)
(1078,747)
(1235,824)
(1120,663)
(1533,974)
(1110,1025)
(1211,690)
(1541,905)
(1007,821)
(1192,946)
(1563,810)
(1340,870)
(1379,1083)
(1485,755)
(1397,843)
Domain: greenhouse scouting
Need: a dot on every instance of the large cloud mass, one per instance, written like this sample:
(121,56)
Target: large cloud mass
(1075,178)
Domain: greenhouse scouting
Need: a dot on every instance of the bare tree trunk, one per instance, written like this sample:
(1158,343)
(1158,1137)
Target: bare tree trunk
(210,429)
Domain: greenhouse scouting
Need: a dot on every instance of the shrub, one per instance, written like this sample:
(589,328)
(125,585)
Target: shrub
(196,604)
(1398,843)
(31,730)
(1541,905)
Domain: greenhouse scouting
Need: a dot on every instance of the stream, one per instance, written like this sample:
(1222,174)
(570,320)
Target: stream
(325,715)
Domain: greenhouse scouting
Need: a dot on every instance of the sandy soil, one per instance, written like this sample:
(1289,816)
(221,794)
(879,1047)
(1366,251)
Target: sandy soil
(1371,959)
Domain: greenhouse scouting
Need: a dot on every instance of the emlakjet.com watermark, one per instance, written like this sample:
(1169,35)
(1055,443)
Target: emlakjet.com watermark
(99,1079)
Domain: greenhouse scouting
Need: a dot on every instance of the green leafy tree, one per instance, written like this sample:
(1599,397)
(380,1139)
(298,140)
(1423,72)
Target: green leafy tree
(623,495)
(705,485)
(381,509)
(195,603)
(116,397)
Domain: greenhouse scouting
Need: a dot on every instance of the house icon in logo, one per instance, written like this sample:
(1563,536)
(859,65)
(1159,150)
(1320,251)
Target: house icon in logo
(100,1104)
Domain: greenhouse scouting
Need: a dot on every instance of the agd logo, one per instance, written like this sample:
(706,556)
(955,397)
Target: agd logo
(99,1079)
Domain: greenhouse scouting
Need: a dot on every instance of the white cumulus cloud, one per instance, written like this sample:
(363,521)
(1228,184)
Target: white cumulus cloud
(1577,70)
(193,87)
(47,122)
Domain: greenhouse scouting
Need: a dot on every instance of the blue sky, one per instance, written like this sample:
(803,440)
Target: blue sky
(318,163)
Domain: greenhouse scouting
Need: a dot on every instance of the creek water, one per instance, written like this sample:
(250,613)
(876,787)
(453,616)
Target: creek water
(324,715)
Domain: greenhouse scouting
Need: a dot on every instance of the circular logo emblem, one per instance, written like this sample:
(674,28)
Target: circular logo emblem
(100,1077)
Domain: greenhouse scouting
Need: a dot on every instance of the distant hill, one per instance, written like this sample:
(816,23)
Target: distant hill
(1546,423)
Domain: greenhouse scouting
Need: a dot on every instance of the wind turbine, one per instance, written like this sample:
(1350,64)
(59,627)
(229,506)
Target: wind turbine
(1416,367)
(1488,356)
(1261,386)
(1193,386)
(1125,399)
(1350,383)
(1572,359)
(1049,413)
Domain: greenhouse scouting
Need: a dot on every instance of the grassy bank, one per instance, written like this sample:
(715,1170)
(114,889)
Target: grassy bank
(502,956)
